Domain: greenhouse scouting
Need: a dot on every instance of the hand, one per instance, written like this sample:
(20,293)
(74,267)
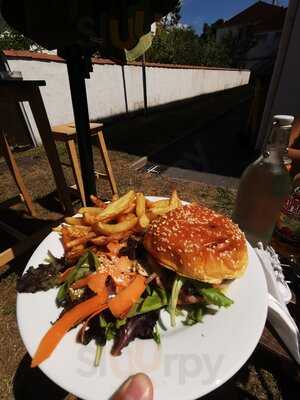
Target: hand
(137,387)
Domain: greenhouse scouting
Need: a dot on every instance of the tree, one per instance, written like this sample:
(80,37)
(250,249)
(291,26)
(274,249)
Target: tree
(211,30)
(175,45)
(214,54)
(180,45)
(11,39)
(173,17)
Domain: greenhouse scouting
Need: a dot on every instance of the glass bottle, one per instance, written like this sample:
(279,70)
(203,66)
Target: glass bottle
(264,185)
(286,237)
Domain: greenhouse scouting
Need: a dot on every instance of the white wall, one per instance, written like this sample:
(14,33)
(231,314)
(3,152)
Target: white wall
(106,92)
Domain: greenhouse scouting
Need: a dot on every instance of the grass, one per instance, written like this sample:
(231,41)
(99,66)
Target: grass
(8,309)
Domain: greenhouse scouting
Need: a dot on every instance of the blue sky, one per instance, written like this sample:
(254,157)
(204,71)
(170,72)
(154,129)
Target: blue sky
(196,12)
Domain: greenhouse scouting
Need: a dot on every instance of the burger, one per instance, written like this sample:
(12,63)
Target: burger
(206,250)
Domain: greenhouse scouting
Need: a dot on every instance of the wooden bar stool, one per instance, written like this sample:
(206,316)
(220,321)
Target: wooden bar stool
(13,167)
(67,133)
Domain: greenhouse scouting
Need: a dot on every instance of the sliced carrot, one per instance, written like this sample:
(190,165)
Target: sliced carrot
(81,282)
(124,300)
(66,322)
(64,275)
(97,282)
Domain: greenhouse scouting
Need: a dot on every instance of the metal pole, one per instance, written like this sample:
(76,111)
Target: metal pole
(77,72)
(125,89)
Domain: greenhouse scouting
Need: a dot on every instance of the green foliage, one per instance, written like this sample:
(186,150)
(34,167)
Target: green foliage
(179,45)
(12,39)
(211,30)
(175,46)
(214,54)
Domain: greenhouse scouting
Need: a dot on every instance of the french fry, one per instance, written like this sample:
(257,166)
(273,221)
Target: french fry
(79,228)
(57,229)
(141,211)
(125,217)
(98,202)
(110,229)
(160,210)
(74,221)
(140,205)
(99,240)
(130,208)
(174,200)
(76,231)
(102,240)
(144,221)
(113,209)
(90,210)
(160,203)
(89,219)
(80,240)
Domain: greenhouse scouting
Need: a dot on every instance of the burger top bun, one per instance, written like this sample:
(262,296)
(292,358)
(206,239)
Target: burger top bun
(198,243)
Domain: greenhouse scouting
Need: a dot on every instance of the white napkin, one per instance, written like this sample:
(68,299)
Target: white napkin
(279,296)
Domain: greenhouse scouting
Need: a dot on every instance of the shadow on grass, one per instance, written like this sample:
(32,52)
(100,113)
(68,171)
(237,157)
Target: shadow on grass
(34,231)
(31,383)
(143,135)
(52,203)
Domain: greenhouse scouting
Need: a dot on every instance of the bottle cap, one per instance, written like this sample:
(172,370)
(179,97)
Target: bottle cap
(283,120)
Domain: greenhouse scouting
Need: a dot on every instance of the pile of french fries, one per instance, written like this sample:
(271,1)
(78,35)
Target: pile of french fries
(97,226)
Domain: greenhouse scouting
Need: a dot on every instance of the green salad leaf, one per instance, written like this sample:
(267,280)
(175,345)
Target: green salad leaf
(154,301)
(86,264)
(177,285)
(216,297)
(156,334)
(110,328)
(195,314)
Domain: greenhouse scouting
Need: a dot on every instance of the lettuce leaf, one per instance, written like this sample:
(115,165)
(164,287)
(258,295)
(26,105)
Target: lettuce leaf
(216,297)
(195,314)
(177,285)
(157,299)
(87,263)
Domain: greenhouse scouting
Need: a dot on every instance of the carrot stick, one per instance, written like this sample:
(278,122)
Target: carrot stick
(81,282)
(64,275)
(97,282)
(66,322)
(125,299)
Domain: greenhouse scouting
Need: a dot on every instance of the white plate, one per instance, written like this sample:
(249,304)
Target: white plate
(191,361)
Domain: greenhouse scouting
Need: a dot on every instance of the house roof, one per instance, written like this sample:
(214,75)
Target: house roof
(262,16)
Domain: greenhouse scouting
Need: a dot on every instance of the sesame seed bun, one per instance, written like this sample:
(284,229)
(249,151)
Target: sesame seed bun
(198,243)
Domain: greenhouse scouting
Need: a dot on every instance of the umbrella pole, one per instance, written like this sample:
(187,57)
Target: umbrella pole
(77,72)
